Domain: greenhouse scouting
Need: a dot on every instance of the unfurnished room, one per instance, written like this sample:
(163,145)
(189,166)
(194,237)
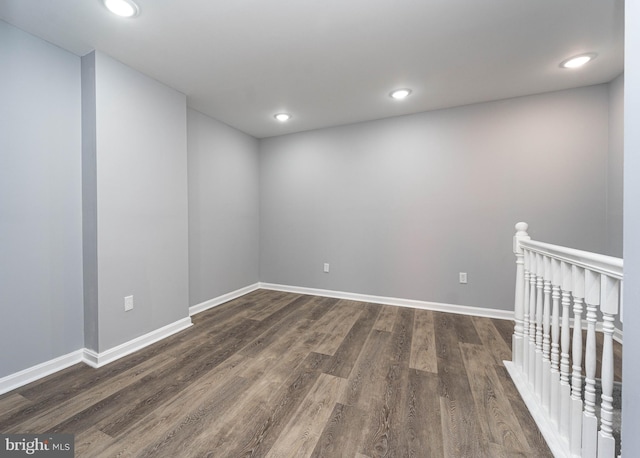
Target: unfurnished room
(319,228)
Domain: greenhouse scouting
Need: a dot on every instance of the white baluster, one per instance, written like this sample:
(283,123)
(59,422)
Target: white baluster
(576,375)
(609,307)
(539,314)
(589,419)
(553,285)
(517,343)
(555,341)
(565,341)
(531,372)
(525,324)
(546,336)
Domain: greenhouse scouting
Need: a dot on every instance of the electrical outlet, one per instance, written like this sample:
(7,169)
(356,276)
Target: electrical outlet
(128,303)
(326,267)
(463,277)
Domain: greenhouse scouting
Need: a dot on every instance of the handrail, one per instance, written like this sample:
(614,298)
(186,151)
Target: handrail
(607,265)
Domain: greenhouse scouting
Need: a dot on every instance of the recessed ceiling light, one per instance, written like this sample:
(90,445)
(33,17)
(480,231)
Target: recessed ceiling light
(578,61)
(282,117)
(123,8)
(400,94)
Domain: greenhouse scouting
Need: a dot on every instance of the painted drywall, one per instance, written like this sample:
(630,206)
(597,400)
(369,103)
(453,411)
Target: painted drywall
(223,208)
(631,313)
(399,207)
(141,202)
(40,202)
(89,203)
(615,167)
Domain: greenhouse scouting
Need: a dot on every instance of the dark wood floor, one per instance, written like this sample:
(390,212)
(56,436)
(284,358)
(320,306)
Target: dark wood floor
(279,374)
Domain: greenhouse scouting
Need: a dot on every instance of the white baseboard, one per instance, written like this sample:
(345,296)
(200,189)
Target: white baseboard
(201,307)
(96,360)
(90,357)
(617,335)
(31,374)
(546,426)
(435,306)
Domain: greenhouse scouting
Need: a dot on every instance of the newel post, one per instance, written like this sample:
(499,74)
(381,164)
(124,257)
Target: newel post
(517,343)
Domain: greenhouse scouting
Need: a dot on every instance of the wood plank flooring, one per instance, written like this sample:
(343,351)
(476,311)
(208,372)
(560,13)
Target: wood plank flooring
(275,374)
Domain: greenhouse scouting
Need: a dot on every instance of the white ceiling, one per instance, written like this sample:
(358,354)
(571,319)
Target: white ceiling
(331,62)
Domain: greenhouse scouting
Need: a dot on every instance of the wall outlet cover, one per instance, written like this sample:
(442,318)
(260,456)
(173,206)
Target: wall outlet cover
(128,303)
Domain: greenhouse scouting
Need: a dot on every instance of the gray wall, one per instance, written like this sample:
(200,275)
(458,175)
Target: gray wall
(615,169)
(223,208)
(40,202)
(399,206)
(631,354)
(89,203)
(141,189)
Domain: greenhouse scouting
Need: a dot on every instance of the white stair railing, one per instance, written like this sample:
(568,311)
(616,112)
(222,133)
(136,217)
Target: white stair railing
(547,365)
